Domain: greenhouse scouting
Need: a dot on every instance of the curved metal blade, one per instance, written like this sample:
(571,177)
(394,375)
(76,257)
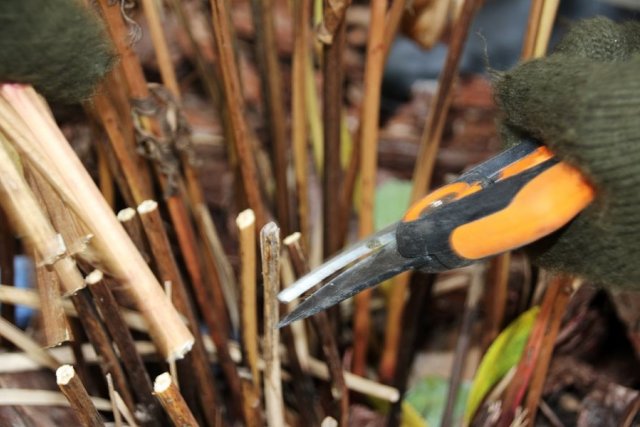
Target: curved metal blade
(383,264)
(342,259)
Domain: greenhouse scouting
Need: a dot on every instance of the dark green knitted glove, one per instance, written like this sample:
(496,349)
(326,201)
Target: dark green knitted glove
(584,102)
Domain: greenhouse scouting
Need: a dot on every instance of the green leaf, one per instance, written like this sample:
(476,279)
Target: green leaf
(503,354)
(428,398)
(392,200)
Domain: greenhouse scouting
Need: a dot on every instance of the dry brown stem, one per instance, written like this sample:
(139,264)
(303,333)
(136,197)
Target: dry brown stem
(117,327)
(267,55)
(39,138)
(168,270)
(334,15)
(248,296)
(101,342)
(172,401)
(429,144)
(324,331)
(368,166)
(234,104)
(270,249)
(73,389)
(301,56)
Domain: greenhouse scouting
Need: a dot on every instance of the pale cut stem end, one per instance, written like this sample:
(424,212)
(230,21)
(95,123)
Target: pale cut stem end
(162,382)
(64,374)
(292,238)
(94,277)
(246,218)
(147,206)
(126,214)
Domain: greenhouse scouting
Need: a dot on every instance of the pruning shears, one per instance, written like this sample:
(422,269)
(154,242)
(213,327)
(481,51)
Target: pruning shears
(510,200)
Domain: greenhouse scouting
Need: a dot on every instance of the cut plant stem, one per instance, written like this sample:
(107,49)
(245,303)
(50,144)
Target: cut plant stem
(117,416)
(172,401)
(29,220)
(323,328)
(270,249)
(296,345)
(73,389)
(168,270)
(131,223)
(332,105)
(117,327)
(368,165)
(248,297)
(429,144)
(39,138)
(101,341)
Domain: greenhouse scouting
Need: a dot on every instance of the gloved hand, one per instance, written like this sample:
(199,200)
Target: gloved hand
(583,101)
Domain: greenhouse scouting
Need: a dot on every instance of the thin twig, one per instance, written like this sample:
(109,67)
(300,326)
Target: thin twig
(533,27)
(411,315)
(270,249)
(548,17)
(233,98)
(74,390)
(21,340)
(394,17)
(248,296)
(495,297)
(131,223)
(429,144)
(299,118)
(116,251)
(117,416)
(567,286)
(323,329)
(100,340)
(168,270)
(267,55)
(368,165)
(556,294)
(332,106)
(150,8)
(172,401)
(117,327)
(474,294)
